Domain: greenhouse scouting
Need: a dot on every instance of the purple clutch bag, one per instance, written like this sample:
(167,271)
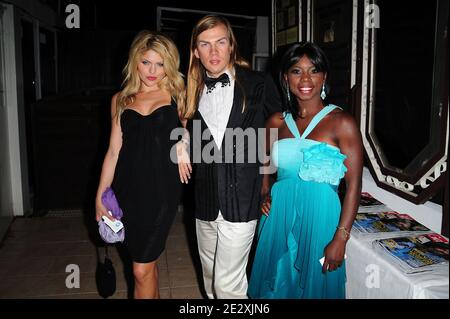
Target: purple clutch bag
(109,200)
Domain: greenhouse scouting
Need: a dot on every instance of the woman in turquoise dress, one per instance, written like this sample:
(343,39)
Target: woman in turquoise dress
(302,220)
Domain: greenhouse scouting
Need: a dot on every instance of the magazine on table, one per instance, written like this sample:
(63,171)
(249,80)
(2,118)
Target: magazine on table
(415,254)
(370,204)
(377,225)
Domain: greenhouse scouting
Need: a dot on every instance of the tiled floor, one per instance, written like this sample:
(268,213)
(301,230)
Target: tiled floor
(36,251)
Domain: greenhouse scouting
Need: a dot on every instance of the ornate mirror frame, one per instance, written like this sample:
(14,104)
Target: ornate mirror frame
(422,183)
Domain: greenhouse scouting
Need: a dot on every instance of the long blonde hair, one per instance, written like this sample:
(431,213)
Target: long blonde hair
(172,83)
(196,73)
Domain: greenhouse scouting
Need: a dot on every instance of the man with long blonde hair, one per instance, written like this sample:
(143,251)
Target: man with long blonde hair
(223,95)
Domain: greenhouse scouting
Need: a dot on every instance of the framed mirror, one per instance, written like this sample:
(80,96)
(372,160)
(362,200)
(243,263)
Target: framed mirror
(404,95)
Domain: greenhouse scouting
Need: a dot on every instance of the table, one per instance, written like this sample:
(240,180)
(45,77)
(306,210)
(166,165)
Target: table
(370,276)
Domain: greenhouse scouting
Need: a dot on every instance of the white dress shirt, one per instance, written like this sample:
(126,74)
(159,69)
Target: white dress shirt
(215,108)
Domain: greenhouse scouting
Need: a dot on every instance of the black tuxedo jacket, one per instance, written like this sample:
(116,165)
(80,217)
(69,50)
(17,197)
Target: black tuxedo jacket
(232,182)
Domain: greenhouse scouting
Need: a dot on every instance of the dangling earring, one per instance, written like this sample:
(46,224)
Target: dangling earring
(323,95)
(288,94)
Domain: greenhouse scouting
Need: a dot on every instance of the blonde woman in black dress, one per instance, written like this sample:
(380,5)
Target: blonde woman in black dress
(137,164)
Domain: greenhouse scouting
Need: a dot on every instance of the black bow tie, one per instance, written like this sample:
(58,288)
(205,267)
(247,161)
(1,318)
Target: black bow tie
(211,82)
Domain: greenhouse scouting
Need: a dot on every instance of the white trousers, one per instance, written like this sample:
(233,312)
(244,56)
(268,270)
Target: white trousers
(224,248)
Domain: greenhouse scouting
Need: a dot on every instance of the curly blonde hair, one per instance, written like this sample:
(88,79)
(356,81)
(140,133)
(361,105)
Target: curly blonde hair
(172,83)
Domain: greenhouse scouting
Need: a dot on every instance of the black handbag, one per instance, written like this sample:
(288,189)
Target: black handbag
(105,276)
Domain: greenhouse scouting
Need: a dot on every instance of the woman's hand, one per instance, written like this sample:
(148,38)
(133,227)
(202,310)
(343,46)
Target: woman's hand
(184,162)
(266,204)
(334,254)
(100,210)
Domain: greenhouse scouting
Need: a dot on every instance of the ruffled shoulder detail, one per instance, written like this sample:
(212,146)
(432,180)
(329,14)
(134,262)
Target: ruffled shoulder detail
(323,164)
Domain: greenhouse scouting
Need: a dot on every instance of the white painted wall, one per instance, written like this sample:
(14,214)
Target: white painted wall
(5,178)
(14,193)
(12,175)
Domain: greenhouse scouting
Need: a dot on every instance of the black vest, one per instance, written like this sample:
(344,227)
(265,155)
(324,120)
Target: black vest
(232,182)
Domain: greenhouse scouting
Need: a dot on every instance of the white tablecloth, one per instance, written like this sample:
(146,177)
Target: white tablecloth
(369,276)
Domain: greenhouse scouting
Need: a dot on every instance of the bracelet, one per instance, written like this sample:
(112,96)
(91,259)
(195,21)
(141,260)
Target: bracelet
(346,233)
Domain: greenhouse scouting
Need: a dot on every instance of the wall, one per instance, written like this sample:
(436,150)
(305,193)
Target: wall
(15,193)
(37,10)
(9,200)
(5,191)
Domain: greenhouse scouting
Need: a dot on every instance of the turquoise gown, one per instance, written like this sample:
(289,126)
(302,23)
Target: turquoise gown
(302,220)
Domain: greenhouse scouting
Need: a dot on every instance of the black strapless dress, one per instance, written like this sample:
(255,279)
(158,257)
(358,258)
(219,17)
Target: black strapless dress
(146,181)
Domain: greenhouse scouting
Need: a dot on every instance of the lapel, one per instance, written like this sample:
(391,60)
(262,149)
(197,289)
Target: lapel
(237,116)
(204,126)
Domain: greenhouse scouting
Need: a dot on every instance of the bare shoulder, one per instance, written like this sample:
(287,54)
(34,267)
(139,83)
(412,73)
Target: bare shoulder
(276,120)
(344,123)
(114,103)
(116,95)
(114,98)
(342,118)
